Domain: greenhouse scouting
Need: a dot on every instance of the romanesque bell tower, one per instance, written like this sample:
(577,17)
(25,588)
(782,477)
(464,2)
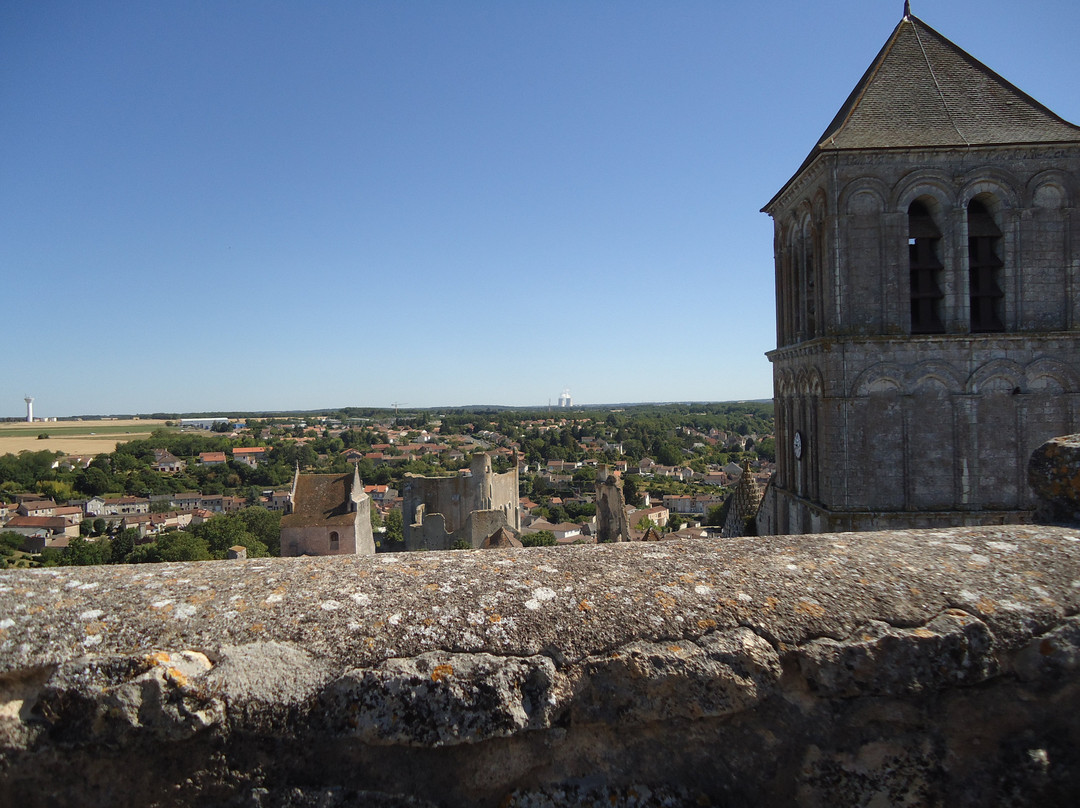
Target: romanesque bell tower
(928,299)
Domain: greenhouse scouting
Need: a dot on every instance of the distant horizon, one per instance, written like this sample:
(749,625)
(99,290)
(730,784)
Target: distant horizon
(271,413)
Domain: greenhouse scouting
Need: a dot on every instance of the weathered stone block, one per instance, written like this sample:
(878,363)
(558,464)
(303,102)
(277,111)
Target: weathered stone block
(1054,477)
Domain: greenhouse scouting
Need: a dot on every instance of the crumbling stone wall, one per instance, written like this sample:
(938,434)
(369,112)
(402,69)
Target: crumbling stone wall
(902,668)
(441,511)
(611,523)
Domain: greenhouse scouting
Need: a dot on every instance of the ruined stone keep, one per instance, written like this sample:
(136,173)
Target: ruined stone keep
(441,511)
(329,514)
(928,299)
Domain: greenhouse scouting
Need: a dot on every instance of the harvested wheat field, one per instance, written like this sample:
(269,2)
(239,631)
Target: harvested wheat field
(73,437)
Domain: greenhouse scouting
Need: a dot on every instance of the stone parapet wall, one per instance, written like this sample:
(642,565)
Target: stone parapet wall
(909,667)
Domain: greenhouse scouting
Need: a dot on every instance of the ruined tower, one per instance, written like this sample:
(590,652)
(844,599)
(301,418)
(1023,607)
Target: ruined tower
(928,298)
(442,511)
(611,524)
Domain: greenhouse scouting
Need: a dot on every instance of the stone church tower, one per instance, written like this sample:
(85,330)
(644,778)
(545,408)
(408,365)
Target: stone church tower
(928,299)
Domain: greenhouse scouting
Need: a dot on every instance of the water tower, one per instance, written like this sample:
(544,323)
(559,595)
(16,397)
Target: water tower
(29,409)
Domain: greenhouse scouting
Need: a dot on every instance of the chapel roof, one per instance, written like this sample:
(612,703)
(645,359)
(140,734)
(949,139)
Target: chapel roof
(321,499)
(922,91)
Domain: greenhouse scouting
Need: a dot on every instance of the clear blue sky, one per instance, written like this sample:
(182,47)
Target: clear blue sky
(281,205)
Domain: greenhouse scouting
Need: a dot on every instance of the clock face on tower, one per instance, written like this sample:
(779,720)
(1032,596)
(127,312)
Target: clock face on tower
(798,445)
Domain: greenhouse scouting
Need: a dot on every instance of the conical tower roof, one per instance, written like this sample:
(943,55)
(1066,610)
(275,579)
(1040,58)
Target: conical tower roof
(922,91)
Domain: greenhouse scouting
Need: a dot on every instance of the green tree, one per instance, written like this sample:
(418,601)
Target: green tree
(123,545)
(541,538)
(264,525)
(56,490)
(224,531)
(586,475)
(83,553)
(10,547)
(395,526)
(630,490)
(93,481)
(717,514)
(172,546)
(100,525)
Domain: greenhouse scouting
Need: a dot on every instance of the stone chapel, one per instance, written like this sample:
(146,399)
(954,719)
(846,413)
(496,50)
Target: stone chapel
(928,299)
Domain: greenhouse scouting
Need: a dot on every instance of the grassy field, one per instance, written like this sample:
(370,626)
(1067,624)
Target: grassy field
(73,437)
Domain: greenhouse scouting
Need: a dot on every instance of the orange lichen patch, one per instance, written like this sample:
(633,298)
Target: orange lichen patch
(584,606)
(95,628)
(771,602)
(864,582)
(35,609)
(808,608)
(200,597)
(925,633)
(428,621)
(256,627)
(665,600)
(688,578)
(156,658)
(705,625)
(442,672)
(175,676)
(431,587)
(495,618)
(986,606)
(674,649)
(915,592)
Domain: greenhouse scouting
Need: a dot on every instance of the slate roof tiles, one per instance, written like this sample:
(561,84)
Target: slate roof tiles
(922,91)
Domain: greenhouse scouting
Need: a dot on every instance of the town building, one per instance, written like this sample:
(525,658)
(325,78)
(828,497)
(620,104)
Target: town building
(249,456)
(166,462)
(928,299)
(329,514)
